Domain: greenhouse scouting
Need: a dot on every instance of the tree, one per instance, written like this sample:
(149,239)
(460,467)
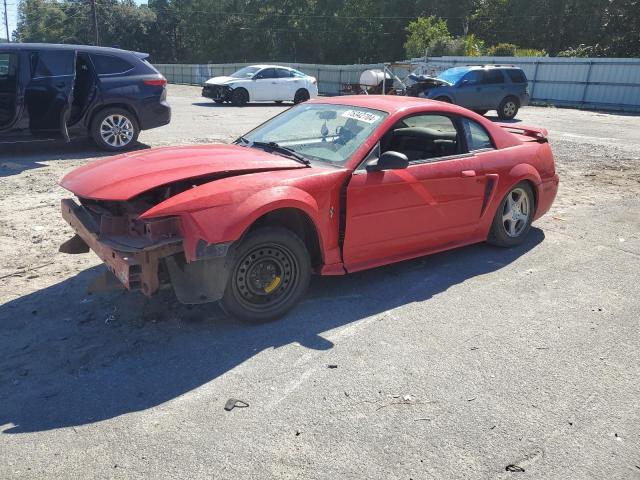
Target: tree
(423,33)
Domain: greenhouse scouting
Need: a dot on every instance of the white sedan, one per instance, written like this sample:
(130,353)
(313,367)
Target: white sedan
(261,83)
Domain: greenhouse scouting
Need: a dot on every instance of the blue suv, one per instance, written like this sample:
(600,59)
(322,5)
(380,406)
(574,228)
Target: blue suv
(63,91)
(479,88)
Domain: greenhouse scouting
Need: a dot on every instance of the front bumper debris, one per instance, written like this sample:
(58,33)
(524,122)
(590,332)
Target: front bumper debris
(136,267)
(216,92)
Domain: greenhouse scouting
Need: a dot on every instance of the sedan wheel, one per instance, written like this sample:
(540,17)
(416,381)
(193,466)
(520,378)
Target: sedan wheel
(513,218)
(115,130)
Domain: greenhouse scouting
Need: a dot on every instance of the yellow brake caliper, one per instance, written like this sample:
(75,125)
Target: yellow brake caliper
(273,285)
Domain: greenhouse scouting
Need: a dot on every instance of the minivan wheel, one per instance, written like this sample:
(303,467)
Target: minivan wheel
(508,108)
(115,129)
(270,274)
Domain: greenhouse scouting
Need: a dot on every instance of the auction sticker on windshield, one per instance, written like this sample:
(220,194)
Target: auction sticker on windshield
(361,116)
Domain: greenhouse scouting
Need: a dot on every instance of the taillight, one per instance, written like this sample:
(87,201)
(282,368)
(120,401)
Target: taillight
(156,82)
(315,82)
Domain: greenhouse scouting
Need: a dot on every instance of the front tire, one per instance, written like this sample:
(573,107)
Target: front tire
(481,112)
(239,97)
(270,274)
(513,218)
(508,108)
(115,129)
(443,99)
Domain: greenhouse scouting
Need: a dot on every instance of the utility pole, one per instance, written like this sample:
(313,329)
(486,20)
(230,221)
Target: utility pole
(94,20)
(6,21)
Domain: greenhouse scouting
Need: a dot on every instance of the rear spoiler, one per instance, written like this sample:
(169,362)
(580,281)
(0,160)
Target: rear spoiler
(536,133)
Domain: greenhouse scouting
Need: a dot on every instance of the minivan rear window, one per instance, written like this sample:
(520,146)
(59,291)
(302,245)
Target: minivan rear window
(516,76)
(109,65)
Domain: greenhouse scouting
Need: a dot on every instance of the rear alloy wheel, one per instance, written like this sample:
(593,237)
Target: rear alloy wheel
(508,108)
(115,129)
(239,97)
(302,95)
(270,274)
(513,218)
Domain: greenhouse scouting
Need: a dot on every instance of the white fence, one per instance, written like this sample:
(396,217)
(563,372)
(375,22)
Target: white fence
(598,83)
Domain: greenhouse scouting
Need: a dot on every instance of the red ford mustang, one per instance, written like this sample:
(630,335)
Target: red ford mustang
(331,186)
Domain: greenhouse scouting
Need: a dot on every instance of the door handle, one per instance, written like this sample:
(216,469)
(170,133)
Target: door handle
(468,173)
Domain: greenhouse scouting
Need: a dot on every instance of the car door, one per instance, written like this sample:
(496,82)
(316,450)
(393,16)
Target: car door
(470,90)
(10,98)
(287,84)
(494,88)
(49,93)
(266,85)
(432,204)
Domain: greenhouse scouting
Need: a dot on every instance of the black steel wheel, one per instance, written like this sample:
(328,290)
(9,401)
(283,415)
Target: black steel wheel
(270,274)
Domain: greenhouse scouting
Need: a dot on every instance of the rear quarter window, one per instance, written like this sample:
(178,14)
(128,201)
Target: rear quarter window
(516,76)
(109,64)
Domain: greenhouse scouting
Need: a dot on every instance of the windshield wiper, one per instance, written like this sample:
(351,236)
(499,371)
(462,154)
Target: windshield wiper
(273,146)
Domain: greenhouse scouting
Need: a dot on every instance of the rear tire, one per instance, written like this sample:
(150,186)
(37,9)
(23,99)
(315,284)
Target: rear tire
(301,95)
(508,108)
(219,101)
(270,274)
(513,218)
(239,97)
(115,129)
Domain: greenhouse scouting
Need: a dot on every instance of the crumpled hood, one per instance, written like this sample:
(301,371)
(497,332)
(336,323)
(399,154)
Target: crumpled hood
(436,82)
(125,176)
(221,80)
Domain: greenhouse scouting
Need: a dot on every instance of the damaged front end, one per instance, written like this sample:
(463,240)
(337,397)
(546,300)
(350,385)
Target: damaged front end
(220,93)
(144,255)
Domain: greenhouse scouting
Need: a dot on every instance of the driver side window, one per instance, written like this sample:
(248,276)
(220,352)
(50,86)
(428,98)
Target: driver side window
(423,138)
(473,78)
(266,73)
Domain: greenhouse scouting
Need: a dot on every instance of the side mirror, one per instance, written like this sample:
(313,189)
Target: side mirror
(465,82)
(389,161)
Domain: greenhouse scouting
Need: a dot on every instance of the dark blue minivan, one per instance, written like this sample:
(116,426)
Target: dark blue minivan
(64,91)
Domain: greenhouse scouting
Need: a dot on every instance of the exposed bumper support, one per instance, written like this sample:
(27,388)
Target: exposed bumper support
(137,269)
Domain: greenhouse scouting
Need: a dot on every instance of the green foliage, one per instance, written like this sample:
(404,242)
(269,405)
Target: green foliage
(425,34)
(447,47)
(530,52)
(581,50)
(337,31)
(503,50)
(473,46)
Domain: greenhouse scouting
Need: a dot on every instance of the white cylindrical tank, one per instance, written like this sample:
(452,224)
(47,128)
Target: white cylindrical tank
(373,78)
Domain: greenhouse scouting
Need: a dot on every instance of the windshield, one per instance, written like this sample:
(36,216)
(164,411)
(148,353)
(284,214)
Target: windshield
(246,72)
(328,133)
(453,75)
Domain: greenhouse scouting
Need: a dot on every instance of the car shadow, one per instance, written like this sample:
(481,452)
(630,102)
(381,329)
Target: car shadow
(69,359)
(18,157)
(495,118)
(228,105)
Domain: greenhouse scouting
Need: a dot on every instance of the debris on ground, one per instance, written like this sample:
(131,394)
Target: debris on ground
(235,403)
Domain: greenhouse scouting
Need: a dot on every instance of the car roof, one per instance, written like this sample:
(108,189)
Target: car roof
(271,66)
(63,46)
(468,68)
(390,103)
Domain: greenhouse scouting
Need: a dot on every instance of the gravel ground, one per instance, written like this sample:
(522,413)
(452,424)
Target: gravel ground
(465,364)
